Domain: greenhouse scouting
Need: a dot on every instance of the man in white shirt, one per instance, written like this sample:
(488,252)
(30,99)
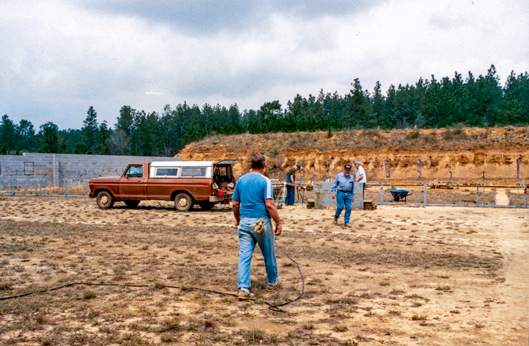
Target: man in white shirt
(360,176)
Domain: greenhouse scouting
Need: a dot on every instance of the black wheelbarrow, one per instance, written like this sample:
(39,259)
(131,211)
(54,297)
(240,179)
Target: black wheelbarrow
(399,195)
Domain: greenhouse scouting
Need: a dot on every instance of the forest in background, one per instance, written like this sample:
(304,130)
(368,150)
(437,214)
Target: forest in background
(450,102)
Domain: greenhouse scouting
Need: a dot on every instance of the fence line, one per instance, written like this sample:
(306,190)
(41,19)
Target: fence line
(42,187)
(447,188)
(421,194)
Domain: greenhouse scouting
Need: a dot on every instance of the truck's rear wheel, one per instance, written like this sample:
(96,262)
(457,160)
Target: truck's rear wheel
(132,204)
(206,205)
(105,200)
(183,202)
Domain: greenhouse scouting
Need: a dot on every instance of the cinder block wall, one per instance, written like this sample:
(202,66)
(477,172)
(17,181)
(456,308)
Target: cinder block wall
(54,169)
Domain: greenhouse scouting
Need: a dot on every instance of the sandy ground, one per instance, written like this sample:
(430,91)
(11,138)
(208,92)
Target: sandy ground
(401,276)
(501,197)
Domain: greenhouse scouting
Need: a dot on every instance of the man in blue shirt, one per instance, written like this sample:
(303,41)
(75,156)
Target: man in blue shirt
(291,185)
(343,190)
(253,205)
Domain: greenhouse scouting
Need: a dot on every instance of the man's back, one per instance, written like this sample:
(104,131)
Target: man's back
(361,172)
(252,190)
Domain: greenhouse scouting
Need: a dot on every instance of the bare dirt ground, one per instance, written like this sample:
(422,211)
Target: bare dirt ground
(401,276)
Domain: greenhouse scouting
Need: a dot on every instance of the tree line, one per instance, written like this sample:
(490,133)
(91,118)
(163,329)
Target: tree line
(472,101)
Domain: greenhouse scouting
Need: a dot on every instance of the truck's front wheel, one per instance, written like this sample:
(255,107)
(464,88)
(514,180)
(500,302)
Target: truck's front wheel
(183,202)
(105,200)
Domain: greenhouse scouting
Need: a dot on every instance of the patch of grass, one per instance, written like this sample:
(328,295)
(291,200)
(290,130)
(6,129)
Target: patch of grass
(89,294)
(340,328)
(170,325)
(254,336)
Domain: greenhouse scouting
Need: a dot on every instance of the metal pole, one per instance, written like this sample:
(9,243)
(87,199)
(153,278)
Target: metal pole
(381,193)
(65,188)
(419,170)
(13,186)
(425,194)
(477,196)
(40,183)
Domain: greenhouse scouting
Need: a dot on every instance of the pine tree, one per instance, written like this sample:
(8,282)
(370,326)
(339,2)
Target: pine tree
(7,135)
(49,134)
(90,131)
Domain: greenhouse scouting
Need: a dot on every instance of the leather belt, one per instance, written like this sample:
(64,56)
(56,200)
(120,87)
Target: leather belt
(344,190)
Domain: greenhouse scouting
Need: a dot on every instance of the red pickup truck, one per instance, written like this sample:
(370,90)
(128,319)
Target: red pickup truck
(185,182)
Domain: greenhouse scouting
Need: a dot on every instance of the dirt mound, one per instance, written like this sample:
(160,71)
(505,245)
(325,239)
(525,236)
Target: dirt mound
(461,154)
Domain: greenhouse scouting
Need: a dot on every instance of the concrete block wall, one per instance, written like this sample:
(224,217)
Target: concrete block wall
(54,169)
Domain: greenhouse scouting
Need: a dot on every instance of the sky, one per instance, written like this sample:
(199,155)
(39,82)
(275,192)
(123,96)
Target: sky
(59,57)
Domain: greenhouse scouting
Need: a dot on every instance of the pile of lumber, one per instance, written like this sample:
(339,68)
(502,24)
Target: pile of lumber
(369,205)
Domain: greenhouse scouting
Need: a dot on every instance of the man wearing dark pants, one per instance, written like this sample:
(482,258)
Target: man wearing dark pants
(343,191)
(291,183)
(253,206)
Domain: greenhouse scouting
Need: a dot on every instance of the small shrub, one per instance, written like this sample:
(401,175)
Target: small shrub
(340,329)
(171,324)
(89,294)
(418,318)
(413,134)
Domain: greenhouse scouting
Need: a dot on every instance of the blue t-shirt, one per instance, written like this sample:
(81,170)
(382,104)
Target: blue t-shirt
(252,190)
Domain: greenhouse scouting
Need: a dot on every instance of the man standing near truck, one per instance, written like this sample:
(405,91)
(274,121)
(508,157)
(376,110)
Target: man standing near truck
(253,206)
(290,199)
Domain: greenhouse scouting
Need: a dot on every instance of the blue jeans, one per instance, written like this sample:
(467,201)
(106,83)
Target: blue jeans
(247,240)
(290,198)
(343,199)
(291,195)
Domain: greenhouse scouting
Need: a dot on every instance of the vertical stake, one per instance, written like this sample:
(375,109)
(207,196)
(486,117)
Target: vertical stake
(477,196)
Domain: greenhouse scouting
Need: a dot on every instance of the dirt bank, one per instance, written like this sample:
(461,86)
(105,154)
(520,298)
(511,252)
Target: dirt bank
(466,155)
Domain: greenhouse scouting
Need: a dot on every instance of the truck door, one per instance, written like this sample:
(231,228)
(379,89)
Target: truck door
(133,183)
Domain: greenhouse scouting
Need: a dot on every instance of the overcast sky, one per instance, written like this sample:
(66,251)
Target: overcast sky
(58,58)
